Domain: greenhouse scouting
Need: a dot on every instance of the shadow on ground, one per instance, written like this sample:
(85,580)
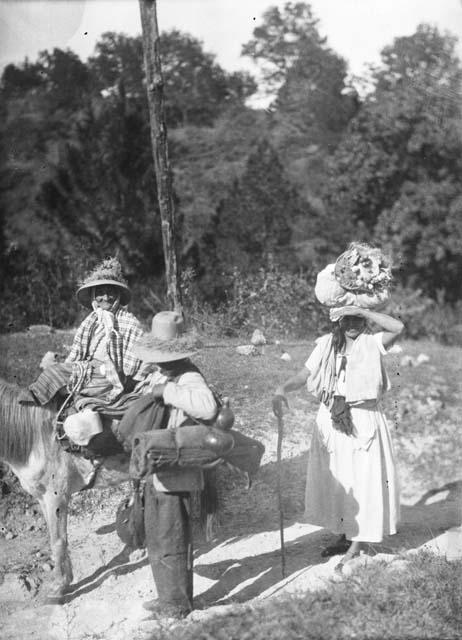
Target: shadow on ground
(119,565)
(252,568)
(244,578)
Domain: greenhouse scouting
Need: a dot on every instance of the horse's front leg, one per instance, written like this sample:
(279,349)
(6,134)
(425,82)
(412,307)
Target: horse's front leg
(54,506)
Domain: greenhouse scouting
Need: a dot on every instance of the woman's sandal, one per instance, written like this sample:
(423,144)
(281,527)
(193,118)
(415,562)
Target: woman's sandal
(349,555)
(341,546)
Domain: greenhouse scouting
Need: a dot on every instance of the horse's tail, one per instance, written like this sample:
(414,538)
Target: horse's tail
(22,426)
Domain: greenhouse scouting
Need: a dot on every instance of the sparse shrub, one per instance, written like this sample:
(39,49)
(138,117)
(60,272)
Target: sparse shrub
(424,317)
(274,300)
(283,304)
(37,289)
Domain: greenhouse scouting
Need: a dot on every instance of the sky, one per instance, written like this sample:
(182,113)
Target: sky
(356,29)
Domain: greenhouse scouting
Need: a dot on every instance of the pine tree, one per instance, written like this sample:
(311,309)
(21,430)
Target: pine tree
(254,222)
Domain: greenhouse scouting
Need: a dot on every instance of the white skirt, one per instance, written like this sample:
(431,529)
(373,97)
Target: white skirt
(352,485)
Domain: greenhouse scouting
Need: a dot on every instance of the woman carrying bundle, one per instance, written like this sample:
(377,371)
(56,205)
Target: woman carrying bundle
(351,486)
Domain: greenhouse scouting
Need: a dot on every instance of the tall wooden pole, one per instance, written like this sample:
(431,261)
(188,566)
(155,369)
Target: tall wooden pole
(155,90)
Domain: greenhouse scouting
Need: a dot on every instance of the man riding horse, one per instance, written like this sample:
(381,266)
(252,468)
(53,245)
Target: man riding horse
(101,363)
(103,370)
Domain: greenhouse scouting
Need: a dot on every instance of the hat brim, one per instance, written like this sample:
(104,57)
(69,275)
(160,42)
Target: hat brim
(157,356)
(84,291)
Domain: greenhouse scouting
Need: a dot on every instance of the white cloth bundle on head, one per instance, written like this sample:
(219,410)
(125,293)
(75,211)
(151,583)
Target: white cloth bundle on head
(330,292)
(360,277)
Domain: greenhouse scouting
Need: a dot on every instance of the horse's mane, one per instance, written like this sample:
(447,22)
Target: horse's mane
(21,425)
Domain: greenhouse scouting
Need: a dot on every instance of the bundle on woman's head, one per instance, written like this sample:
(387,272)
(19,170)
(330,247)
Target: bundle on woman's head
(360,277)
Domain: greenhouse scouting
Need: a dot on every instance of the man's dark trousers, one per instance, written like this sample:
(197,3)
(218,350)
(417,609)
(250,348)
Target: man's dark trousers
(169,544)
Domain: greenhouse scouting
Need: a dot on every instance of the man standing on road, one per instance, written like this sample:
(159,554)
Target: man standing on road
(178,386)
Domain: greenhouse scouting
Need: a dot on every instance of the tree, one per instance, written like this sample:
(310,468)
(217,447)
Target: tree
(18,79)
(118,62)
(197,89)
(315,98)
(426,55)
(77,185)
(66,78)
(207,160)
(255,219)
(422,231)
(402,152)
(278,41)
(38,124)
(313,102)
(76,169)
(103,190)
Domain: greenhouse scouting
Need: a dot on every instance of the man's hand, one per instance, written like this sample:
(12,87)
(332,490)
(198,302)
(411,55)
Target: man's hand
(146,369)
(158,390)
(278,402)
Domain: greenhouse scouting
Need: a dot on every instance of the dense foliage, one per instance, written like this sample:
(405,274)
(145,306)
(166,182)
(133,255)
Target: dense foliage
(397,173)
(284,188)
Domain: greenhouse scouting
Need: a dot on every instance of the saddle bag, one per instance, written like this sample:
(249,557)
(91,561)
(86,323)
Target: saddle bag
(190,446)
(130,518)
(193,446)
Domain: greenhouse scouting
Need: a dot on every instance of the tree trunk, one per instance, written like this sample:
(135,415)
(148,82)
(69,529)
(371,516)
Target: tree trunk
(155,87)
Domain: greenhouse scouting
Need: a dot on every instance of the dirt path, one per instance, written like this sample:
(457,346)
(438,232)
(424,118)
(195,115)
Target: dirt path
(242,564)
(239,565)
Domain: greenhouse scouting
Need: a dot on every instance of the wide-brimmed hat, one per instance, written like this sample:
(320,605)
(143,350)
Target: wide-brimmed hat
(109,272)
(167,340)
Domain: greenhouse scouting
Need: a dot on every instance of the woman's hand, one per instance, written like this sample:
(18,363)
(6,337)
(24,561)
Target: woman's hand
(295,382)
(278,402)
(339,312)
(158,391)
(391,327)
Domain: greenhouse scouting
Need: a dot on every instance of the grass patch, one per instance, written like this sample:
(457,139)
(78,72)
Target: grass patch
(420,599)
(21,353)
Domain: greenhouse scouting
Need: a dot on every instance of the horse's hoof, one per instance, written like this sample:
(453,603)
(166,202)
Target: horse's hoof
(56,596)
(54,600)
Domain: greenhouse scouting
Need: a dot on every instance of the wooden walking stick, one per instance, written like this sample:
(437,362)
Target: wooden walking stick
(279,483)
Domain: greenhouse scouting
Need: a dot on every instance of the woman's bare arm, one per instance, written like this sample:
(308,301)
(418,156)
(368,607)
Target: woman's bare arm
(295,382)
(392,328)
(292,384)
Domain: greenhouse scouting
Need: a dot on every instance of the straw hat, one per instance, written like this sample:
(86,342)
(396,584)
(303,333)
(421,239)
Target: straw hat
(109,272)
(167,340)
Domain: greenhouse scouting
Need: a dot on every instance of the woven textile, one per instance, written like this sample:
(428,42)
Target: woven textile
(51,381)
(121,360)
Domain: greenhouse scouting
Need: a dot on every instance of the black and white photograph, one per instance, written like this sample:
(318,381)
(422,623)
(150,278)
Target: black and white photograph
(230,319)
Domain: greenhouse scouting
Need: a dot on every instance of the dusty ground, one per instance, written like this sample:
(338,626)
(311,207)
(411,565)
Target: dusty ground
(243,562)
(240,564)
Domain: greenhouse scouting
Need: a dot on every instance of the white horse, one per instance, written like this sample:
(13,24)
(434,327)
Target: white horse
(51,475)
